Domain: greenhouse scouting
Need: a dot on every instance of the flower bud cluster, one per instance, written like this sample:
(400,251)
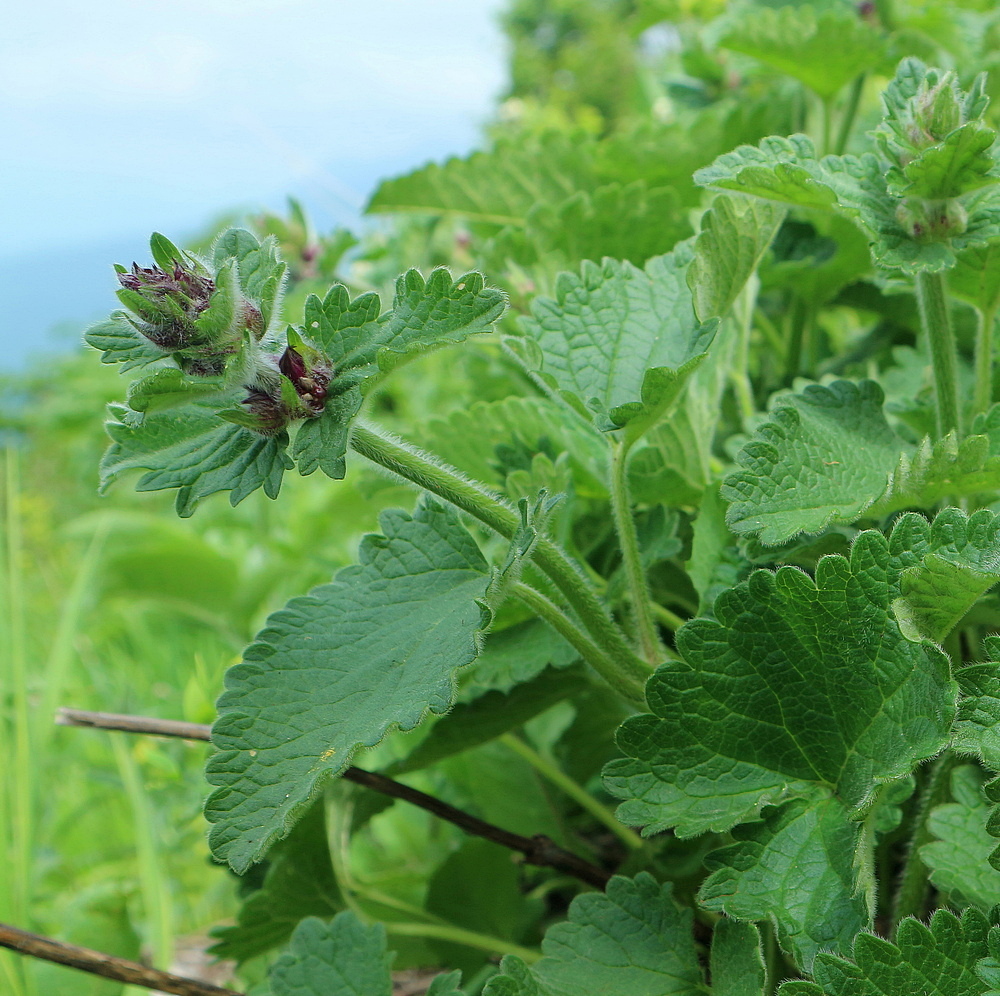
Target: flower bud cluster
(169,303)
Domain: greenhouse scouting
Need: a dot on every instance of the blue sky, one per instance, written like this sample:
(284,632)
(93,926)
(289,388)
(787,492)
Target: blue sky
(129,116)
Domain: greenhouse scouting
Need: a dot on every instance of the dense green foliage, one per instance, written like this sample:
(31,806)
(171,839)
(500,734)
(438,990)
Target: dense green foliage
(698,580)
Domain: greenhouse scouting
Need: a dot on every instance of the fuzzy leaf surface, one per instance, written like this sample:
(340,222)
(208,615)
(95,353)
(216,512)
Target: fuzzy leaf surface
(191,449)
(631,940)
(977,729)
(341,958)
(958,858)
(736,962)
(825,455)
(798,688)
(120,342)
(829,455)
(795,869)
(935,960)
(735,234)
(335,670)
(618,343)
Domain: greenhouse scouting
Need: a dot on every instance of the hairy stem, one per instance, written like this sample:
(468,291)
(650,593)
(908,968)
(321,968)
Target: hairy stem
(984,360)
(421,469)
(635,572)
(537,850)
(936,321)
(547,610)
(911,898)
(574,790)
(105,965)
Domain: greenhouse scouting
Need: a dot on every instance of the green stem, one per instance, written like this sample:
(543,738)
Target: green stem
(826,122)
(911,899)
(936,321)
(471,939)
(546,609)
(984,360)
(629,670)
(665,617)
(850,113)
(575,791)
(635,572)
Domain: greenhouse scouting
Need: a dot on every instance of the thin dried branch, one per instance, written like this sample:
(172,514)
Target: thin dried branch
(105,965)
(538,850)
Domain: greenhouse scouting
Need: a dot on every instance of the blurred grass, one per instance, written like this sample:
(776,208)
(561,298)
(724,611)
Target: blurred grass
(113,603)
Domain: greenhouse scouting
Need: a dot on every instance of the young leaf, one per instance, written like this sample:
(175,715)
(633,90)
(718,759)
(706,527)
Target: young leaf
(120,342)
(799,688)
(736,963)
(619,343)
(632,940)
(169,388)
(335,670)
(824,48)
(959,856)
(735,234)
(339,958)
(299,882)
(938,959)
(795,869)
(192,450)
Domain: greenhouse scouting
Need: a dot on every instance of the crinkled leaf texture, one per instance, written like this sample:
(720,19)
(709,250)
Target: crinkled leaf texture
(120,342)
(193,450)
(737,961)
(787,170)
(828,455)
(631,940)
(340,958)
(361,345)
(977,729)
(335,670)
(800,692)
(939,959)
(958,858)
(618,343)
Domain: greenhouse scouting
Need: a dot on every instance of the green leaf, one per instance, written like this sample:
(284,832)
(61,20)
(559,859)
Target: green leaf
(375,649)
(736,965)
(321,443)
(963,162)
(425,315)
(958,858)
(735,234)
(121,342)
(825,456)
(630,222)
(935,960)
(977,729)
(619,343)
(959,560)
(795,869)
(257,263)
(192,450)
(165,254)
(517,654)
(824,48)
(828,455)
(475,721)
(169,388)
(446,985)
(299,882)
(341,958)
(632,940)
(499,187)
(976,277)
(799,688)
